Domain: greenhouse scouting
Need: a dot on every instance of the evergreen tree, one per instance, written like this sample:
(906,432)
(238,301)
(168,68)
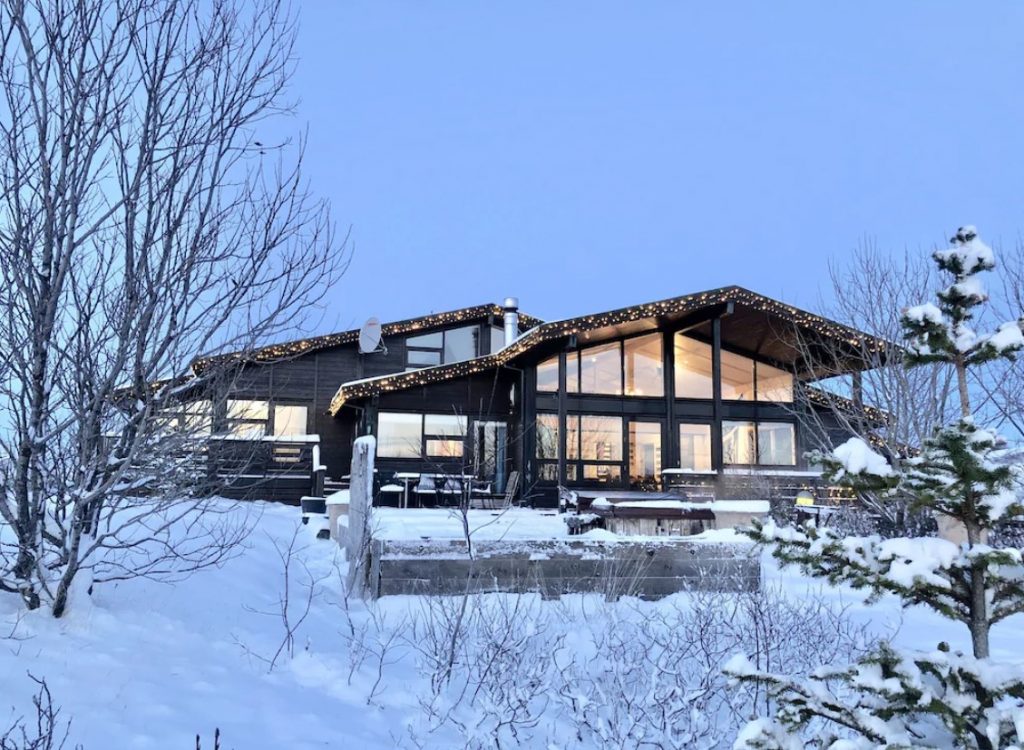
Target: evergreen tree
(896,698)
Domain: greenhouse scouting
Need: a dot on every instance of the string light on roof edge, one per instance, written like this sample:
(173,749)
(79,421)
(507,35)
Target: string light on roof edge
(549,331)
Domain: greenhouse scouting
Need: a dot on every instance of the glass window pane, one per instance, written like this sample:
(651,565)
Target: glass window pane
(547,375)
(693,368)
(427,340)
(644,371)
(774,384)
(572,372)
(776,444)
(416,358)
(444,448)
(460,343)
(695,447)
(572,438)
(602,472)
(547,436)
(601,370)
(644,454)
(497,339)
(197,418)
(247,430)
(547,472)
(399,435)
(738,443)
(445,425)
(244,409)
(289,420)
(601,438)
(737,377)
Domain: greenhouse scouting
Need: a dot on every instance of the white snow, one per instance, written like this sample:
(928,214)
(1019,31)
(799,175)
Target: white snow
(1007,338)
(857,457)
(926,312)
(144,666)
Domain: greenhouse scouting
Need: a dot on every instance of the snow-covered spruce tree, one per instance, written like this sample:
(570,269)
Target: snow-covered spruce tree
(895,698)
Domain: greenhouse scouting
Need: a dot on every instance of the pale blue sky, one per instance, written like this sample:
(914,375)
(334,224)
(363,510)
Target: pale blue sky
(589,155)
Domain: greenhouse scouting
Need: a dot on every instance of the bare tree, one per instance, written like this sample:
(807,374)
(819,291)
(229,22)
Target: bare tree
(146,216)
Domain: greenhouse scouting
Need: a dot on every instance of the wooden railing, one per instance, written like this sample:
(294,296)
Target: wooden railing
(273,468)
(764,484)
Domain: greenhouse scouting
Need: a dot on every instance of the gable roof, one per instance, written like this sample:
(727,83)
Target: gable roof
(673,308)
(289,349)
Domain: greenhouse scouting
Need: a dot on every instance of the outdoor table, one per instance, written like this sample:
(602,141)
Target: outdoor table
(407,478)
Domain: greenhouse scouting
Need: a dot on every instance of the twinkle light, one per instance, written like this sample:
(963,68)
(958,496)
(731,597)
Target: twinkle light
(575,326)
(290,349)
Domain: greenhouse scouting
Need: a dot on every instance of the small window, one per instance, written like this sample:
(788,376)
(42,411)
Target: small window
(602,473)
(290,420)
(447,425)
(247,418)
(444,448)
(497,339)
(443,347)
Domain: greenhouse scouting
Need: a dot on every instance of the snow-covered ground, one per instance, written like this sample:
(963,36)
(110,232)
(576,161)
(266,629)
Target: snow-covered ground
(150,665)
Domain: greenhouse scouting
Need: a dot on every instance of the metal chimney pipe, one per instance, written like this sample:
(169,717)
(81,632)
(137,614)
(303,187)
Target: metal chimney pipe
(510,314)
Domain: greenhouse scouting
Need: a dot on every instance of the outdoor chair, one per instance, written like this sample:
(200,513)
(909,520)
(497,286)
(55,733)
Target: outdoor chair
(451,489)
(426,491)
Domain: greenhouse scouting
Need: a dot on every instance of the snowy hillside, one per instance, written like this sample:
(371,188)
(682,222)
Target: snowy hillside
(150,665)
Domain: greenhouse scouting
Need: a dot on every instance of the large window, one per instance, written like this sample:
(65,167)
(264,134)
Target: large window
(633,367)
(442,347)
(644,455)
(404,435)
(693,368)
(593,447)
(743,379)
(774,384)
(601,369)
(644,371)
(695,447)
(762,443)
(737,377)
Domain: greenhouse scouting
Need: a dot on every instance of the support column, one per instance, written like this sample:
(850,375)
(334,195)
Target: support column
(562,408)
(670,456)
(716,377)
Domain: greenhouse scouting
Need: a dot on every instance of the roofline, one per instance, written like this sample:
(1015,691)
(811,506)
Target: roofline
(570,326)
(288,349)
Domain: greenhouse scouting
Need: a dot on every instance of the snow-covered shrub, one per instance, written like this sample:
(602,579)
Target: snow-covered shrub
(508,670)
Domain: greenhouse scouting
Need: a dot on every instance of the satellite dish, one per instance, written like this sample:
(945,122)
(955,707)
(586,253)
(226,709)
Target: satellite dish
(369,337)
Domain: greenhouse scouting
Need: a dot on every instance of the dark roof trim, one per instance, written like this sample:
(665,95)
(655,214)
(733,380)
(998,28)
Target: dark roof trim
(558,329)
(289,349)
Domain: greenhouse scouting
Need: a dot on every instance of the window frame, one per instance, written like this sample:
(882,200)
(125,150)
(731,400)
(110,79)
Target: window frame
(757,443)
(426,438)
(440,349)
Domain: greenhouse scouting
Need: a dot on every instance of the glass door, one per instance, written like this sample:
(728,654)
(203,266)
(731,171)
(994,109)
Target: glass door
(645,455)
(490,453)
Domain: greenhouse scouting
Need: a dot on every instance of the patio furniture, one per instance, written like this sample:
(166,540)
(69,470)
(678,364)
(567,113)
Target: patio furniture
(407,478)
(510,489)
(392,495)
(451,489)
(425,491)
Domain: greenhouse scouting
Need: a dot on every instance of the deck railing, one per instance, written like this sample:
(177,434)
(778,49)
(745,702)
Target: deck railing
(761,484)
(271,467)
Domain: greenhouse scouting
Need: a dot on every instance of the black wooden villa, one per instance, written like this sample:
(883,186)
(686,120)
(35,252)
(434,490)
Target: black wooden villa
(678,394)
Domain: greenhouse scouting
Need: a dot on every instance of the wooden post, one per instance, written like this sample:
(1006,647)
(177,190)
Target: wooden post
(716,392)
